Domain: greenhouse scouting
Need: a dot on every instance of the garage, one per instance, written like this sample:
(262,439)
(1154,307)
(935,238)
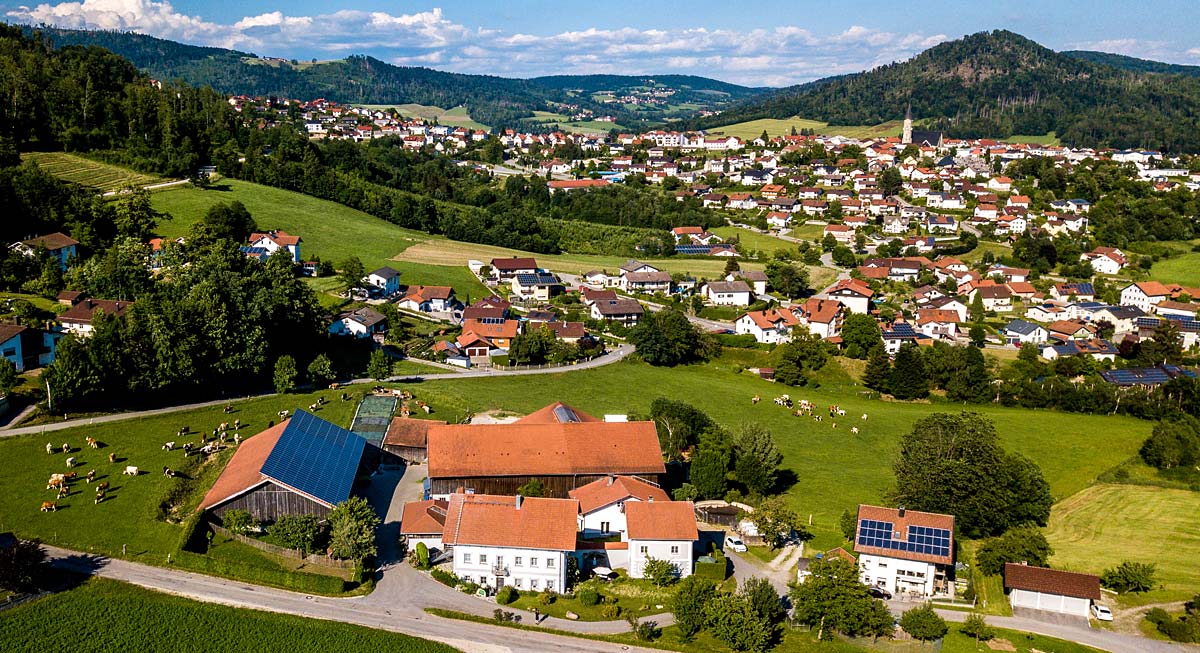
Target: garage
(1050,590)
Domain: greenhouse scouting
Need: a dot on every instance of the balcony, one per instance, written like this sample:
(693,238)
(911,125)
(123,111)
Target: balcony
(499,570)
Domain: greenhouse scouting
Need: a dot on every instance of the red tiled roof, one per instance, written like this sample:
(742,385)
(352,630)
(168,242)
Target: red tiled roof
(1051,581)
(514,263)
(424,517)
(475,450)
(900,525)
(51,242)
(85,311)
(424,293)
(244,469)
(488,520)
(661,520)
(548,415)
(407,432)
(607,491)
(928,315)
(280,237)
(579,183)
(505,329)
(1153,288)
(820,311)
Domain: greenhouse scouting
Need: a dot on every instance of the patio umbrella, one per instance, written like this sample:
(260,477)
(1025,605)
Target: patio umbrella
(602,571)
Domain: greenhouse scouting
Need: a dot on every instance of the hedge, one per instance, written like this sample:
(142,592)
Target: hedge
(297,581)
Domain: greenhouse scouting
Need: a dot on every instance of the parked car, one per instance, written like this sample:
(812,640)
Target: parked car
(1101,613)
(879,593)
(735,543)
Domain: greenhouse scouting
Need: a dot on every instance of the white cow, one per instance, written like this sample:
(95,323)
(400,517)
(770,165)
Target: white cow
(130,470)
(70,462)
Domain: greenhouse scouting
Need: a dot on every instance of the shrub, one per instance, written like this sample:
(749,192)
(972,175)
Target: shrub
(645,631)
(291,580)
(661,572)
(505,616)
(422,556)
(547,597)
(975,626)
(507,594)
(238,521)
(297,532)
(444,577)
(588,596)
(1157,616)
(470,588)
(1129,576)
(610,611)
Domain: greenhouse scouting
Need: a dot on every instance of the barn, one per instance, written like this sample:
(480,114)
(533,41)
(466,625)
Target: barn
(302,466)
(559,446)
(1050,589)
(407,438)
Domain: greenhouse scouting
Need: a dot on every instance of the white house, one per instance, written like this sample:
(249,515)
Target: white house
(853,293)
(662,530)
(905,551)
(424,522)
(79,318)
(538,285)
(1105,260)
(602,503)
(1144,295)
(822,317)
(360,323)
(386,280)
(272,241)
(757,279)
(770,326)
(1019,332)
(728,293)
(1050,590)
(428,299)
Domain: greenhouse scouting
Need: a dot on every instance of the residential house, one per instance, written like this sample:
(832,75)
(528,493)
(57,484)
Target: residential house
(1063,330)
(1009,274)
(625,311)
(841,233)
(79,318)
(424,522)
(27,347)
(58,246)
(728,293)
(1105,260)
(301,466)
(537,285)
(504,269)
(938,323)
(1050,590)
(898,334)
(778,219)
(1019,332)
(429,299)
(996,298)
(661,530)
(602,503)
(757,279)
(361,322)
(854,294)
(493,309)
(385,280)
(263,244)
(1144,295)
(895,225)
(950,304)
(497,334)
(646,283)
(1083,292)
(905,551)
(1171,308)
(575,185)
(941,224)
(770,326)
(1101,350)
(1123,318)
(822,317)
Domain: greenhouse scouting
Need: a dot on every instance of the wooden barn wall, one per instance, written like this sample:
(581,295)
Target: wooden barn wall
(556,486)
(270,502)
(410,454)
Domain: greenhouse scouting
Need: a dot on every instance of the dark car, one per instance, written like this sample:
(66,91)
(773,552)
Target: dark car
(879,593)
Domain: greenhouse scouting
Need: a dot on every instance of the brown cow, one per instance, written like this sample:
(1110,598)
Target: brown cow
(99,497)
(91,442)
(101,486)
(49,506)
(112,457)
(70,476)
(91,475)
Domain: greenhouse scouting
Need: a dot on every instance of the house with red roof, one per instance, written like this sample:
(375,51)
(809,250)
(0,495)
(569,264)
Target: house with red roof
(1105,260)
(79,318)
(1145,295)
(905,551)
(603,502)
(267,243)
(853,293)
(1051,590)
(661,530)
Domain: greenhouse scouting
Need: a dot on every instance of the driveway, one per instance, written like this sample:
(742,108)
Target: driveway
(1055,618)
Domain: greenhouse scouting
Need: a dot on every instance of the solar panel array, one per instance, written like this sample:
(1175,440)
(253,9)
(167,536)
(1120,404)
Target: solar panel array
(1136,376)
(316,457)
(902,330)
(921,539)
(692,249)
(541,278)
(565,415)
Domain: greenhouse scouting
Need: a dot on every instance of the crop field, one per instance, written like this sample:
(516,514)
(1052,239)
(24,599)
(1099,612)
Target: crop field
(86,172)
(1183,269)
(105,615)
(752,129)
(1106,524)
(331,231)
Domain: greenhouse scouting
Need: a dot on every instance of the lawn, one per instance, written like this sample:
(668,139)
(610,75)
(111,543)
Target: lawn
(330,231)
(456,117)
(752,129)
(106,615)
(1183,269)
(1106,524)
(998,251)
(86,172)
(638,597)
(755,240)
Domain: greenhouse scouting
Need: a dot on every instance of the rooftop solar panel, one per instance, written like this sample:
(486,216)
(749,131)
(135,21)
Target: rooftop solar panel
(564,414)
(921,539)
(316,457)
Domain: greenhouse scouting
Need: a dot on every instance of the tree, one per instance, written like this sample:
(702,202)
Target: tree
(844,256)
(320,371)
(909,380)
(134,216)
(978,313)
(971,381)
(667,339)
(22,565)
(1021,544)
(297,532)
(679,425)
(731,619)
(805,353)
(660,572)
(1129,576)
(731,265)
(763,599)
(977,334)
(953,464)
(828,243)
(534,488)
(777,522)
(890,181)
(422,553)
(8,376)
(923,623)
(848,524)
(756,458)
(228,221)
(976,626)
(1171,444)
(860,334)
(352,526)
(691,598)
(1165,346)
(709,467)
(787,279)
(379,366)
(285,374)
(878,374)
(834,599)
(352,273)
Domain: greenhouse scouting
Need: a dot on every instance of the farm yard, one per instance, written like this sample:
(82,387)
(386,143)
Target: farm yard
(108,615)
(86,172)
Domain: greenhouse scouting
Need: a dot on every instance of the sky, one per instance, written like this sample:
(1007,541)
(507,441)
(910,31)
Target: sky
(756,43)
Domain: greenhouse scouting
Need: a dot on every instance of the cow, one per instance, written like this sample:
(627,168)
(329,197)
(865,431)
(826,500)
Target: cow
(66,448)
(70,462)
(168,446)
(840,412)
(63,491)
(223,426)
(100,496)
(102,486)
(237,439)
(91,442)
(49,506)
(168,473)
(70,476)
(130,470)
(283,414)
(854,430)
(91,475)
(49,449)
(237,424)
(228,408)
(864,417)
(755,399)
(112,457)
(56,481)
(312,408)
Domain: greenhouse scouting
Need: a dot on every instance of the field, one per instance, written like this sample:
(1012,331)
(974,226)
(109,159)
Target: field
(1184,269)
(1034,139)
(564,123)
(755,240)
(752,129)
(330,230)
(106,615)
(456,117)
(1106,524)
(86,172)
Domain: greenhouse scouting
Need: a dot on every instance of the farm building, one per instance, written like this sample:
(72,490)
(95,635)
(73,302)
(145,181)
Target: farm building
(302,466)
(905,550)
(407,438)
(558,445)
(1050,589)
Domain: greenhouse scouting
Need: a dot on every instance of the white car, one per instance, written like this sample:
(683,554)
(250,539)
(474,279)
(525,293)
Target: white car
(736,544)
(1101,613)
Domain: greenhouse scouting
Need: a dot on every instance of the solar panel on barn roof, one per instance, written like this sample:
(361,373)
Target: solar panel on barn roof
(316,457)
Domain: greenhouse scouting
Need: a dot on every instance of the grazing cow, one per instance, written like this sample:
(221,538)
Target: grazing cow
(91,442)
(228,408)
(864,417)
(854,430)
(49,506)
(56,481)
(237,439)
(70,476)
(169,446)
(66,448)
(130,470)
(91,475)
(841,413)
(345,397)
(283,414)
(112,457)
(49,449)
(312,408)
(755,399)
(70,462)
(237,424)
(834,424)
(100,496)
(168,473)
(63,491)
(102,486)
(224,426)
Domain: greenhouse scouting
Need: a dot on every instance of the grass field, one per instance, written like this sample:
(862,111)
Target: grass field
(330,230)
(456,117)
(1034,139)
(86,172)
(755,240)
(752,129)
(106,615)
(1106,524)
(564,123)
(1184,269)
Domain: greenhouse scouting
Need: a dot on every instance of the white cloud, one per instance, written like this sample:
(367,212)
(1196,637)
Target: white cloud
(777,56)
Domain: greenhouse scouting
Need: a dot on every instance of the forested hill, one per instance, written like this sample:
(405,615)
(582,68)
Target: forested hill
(996,84)
(597,83)
(1133,63)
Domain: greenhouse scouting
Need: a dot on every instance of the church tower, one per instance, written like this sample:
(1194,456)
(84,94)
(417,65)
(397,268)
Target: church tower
(906,138)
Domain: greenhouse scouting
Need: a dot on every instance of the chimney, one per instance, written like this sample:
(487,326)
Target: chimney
(610,480)
(519,499)
(650,499)
(901,512)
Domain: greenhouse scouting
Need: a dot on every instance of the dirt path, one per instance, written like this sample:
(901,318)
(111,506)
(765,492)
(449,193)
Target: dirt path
(1126,620)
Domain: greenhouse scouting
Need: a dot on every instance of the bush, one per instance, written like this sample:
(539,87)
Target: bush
(547,597)
(469,587)
(507,594)
(661,572)
(610,611)
(714,571)
(297,532)
(1129,576)
(645,631)
(1158,616)
(923,623)
(975,626)
(239,522)
(444,577)
(422,551)
(588,596)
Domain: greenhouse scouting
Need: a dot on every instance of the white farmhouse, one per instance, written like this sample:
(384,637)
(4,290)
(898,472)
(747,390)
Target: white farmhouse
(728,293)
(1144,295)
(661,530)
(602,503)
(905,551)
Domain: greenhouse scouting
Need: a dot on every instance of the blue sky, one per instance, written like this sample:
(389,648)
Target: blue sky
(758,43)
